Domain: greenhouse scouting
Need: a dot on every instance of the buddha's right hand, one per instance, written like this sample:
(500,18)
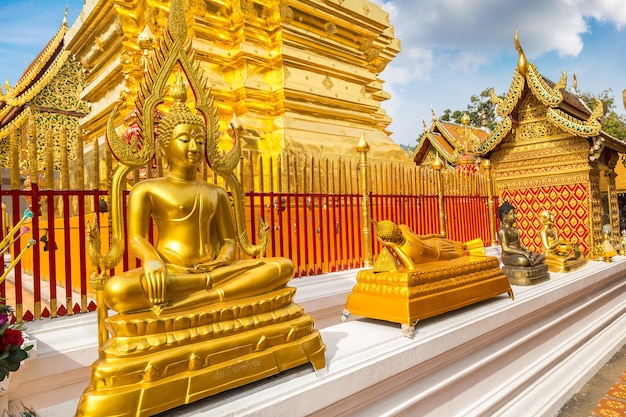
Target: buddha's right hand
(156,277)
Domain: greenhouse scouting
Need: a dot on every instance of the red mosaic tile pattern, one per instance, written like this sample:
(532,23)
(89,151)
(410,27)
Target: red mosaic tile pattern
(614,403)
(569,203)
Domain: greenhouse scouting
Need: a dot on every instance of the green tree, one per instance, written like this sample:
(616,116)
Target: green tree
(479,108)
(614,124)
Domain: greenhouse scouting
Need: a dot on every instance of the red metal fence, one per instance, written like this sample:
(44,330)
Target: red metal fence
(313,212)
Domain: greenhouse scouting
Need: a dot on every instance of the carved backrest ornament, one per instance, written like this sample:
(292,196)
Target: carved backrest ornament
(172,53)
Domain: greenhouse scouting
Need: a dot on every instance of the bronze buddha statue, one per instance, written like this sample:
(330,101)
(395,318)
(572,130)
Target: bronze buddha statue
(560,255)
(521,265)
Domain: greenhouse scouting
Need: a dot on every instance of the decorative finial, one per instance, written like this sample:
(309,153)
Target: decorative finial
(437,163)
(465,119)
(433,113)
(362,145)
(574,83)
(145,39)
(522,62)
(65,16)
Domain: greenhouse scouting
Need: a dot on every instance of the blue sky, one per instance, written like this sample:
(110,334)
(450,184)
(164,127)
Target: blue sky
(450,49)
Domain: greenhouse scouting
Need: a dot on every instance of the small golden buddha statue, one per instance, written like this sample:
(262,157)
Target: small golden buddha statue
(561,255)
(521,265)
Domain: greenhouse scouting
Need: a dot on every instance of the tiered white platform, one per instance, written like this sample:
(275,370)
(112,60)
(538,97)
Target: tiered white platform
(505,358)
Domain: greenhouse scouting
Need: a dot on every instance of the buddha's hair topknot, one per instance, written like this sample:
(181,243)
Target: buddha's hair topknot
(178,114)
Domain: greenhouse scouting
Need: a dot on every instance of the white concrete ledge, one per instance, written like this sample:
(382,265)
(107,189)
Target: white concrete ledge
(498,357)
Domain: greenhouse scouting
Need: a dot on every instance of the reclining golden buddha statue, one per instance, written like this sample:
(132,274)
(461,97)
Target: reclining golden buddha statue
(193,320)
(420,276)
(521,265)
(560,255)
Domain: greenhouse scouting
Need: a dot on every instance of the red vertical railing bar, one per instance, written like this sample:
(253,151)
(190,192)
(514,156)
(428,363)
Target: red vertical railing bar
(289,227)
(3,229)
(355,233)
(68,252)
(320,213)
(340,209)
(312,239)
(52,246)
(304,237)
(17,270)
(252,196)
(36,256)
(327,200)
(272,204)
(83,255)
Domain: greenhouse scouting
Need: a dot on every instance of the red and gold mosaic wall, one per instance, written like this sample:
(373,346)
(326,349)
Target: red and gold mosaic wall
(569,203)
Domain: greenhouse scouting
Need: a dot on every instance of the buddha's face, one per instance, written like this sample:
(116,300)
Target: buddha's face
(509,218)
(186,146)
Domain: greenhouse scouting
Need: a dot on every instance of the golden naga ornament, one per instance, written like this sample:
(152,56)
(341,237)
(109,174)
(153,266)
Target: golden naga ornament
(420,276)
(193,320)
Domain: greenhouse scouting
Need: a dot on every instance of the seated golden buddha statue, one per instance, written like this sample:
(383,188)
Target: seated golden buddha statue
(193,260)
(193,320)
(521,265)
(560,255)
(420,276)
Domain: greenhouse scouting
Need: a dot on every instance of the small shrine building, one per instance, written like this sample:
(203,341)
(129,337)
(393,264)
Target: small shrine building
(548,152)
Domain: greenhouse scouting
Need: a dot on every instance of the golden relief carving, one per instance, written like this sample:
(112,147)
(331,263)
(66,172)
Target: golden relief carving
(535,131)
(495,137)
(541,181)
(550,97)
(573,126)
(506,105)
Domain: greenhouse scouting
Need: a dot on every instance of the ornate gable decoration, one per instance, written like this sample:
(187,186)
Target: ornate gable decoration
(526,74)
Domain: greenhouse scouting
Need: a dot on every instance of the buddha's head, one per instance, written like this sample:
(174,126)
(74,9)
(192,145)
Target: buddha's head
(180,118)
(389,231)
(546,217)
(506,210)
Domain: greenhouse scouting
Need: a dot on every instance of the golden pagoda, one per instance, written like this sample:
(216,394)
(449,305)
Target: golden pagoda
(301,79)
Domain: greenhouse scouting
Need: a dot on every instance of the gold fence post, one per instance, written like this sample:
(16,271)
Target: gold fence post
(437,166)
(363,148)
(490,202)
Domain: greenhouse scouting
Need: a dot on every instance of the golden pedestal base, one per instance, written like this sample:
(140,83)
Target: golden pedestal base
(406,297)
(527,275)
(155,363)
(558,265)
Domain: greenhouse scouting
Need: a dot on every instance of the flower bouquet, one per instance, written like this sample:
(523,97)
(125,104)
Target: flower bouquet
(11,340)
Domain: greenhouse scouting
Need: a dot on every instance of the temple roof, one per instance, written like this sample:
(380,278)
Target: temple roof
(450,140)
(564,108)
(14,100)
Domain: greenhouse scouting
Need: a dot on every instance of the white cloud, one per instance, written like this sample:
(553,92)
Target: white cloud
(451,49)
